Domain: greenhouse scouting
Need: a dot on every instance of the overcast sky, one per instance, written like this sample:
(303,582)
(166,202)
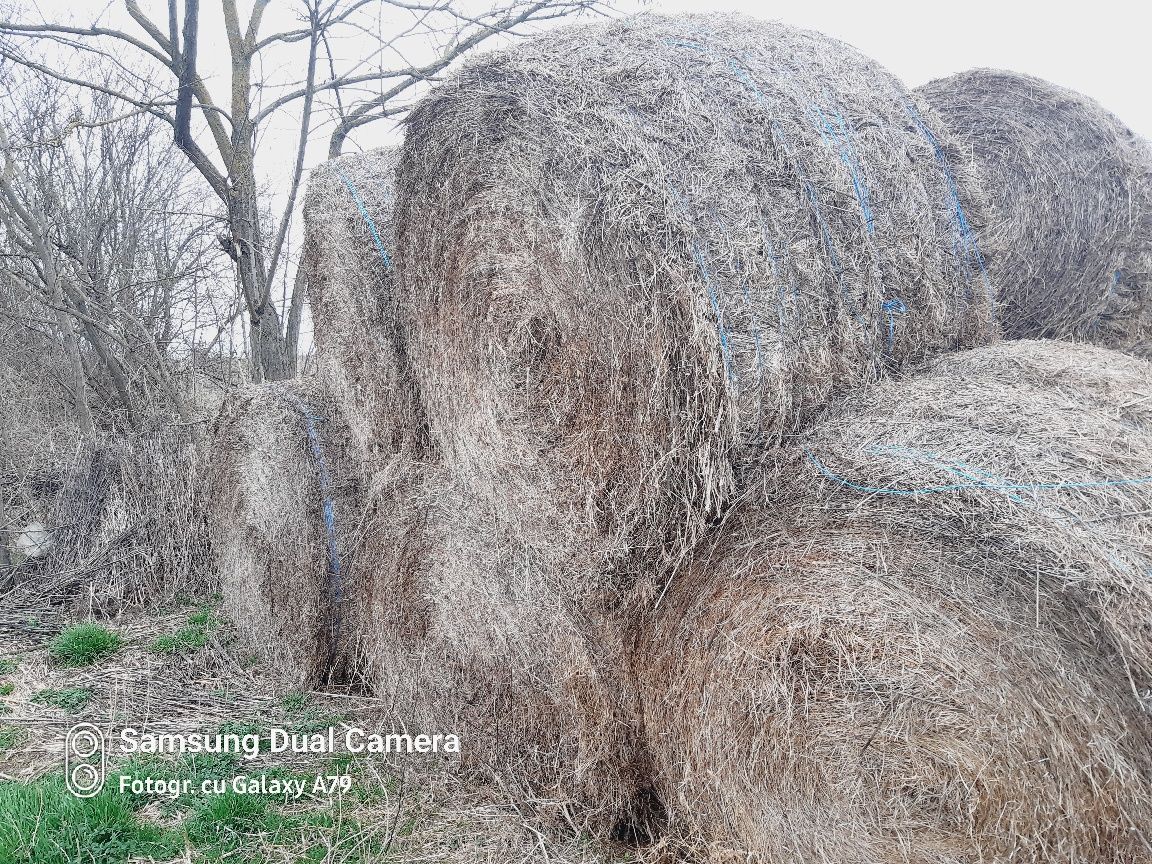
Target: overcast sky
(1100,48)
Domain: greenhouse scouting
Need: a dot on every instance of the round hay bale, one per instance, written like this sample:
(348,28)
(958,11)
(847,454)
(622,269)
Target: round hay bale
(1069,238)
(631,254)
(283,526)
(926,635)
(349,273)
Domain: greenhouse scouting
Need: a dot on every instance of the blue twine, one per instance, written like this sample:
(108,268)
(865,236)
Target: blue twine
(847,154)
(892,308)
(955,467)
(706,275)
(367,218)
(968,240)
(327,509)
(976,484)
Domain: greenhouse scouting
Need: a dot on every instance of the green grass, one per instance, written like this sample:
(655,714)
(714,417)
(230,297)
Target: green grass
(70,699)
(84,644)
(295,702)
(7,665)
(43,823)
(10,736)
(7,688)
(201,626)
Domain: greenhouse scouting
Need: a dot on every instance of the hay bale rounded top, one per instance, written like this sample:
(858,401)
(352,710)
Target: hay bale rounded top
(1069,240)
(631,254)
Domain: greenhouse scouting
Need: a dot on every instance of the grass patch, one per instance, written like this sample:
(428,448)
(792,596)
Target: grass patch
(295,702)
(84,644)
(201,626)
(43,823)
(10,736)
(7,688)
(7,665)
(70,699)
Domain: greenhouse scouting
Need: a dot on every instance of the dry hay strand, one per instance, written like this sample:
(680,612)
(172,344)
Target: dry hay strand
(268,520)
(1069,239)
(631,253)
(925,635)
(349,272)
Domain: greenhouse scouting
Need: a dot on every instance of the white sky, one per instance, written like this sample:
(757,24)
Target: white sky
(1102,48)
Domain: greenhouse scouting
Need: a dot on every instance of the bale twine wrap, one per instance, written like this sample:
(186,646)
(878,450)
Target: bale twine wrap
(348,270)
(925,635)
(630,254)
(284,502)
(1069,238)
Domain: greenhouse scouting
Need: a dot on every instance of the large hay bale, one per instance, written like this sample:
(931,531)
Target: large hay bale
(1069,239)
(284,512)
(349,272)
(926,635)
(631,253)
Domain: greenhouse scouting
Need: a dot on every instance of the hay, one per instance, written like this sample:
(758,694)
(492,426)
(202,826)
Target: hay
(605,306)
(849,672)
(268,530)
(1069,240)
(463,627)
(349,273)
(631,254)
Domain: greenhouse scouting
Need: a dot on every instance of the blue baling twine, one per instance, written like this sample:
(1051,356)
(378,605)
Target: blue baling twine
(705,272)
(847,155)
(976,483)
(706,275)
(892,308)
(367,218)
(327,509)
(967,237)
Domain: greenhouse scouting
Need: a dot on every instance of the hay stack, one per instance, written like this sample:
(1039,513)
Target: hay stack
(348,271)
(629,256)
(1069,239)
(267,521)
(632,253)
(925,636)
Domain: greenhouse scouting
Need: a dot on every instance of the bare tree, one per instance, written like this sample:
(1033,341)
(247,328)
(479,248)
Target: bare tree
(410,42)
(101,234)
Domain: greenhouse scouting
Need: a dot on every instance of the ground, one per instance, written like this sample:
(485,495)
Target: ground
(178,670)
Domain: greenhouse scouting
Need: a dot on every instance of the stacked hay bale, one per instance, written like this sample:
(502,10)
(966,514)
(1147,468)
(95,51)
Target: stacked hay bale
(348,272)
(623,299)
(926,634)
(1069,241)
(607,307)
(284,514)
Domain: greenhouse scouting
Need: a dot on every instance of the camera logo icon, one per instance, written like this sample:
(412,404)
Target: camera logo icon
(85,763)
